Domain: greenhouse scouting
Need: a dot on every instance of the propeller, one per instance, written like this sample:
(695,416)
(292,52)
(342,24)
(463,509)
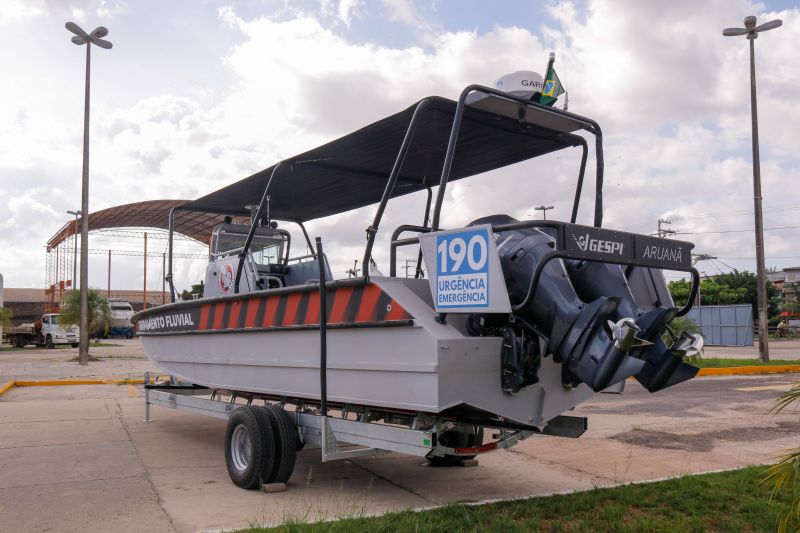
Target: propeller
(623,333)
(687,344)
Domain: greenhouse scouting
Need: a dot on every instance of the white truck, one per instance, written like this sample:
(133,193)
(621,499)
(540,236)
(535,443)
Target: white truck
(45,332)
(121,313)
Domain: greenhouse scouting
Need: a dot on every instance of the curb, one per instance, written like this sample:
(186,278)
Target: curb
(756,369)
(7,386)
(729,371)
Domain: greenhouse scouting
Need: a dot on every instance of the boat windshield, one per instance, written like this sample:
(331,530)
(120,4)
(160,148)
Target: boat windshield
(265,250)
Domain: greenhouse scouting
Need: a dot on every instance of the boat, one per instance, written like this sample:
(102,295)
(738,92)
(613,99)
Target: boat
(507,323)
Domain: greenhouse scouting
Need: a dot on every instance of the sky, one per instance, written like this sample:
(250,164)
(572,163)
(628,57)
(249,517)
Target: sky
(197,94)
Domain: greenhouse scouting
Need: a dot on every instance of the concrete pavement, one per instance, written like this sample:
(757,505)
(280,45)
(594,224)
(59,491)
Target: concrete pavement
(80,458)
(788,349)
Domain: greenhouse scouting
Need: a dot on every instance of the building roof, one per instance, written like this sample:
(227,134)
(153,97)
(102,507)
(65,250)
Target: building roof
(11,295)
(150,214)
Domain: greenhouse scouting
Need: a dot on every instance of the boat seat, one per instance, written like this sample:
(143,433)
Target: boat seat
(305,272)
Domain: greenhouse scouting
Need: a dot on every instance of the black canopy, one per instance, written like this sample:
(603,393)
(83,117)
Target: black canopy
(352,171)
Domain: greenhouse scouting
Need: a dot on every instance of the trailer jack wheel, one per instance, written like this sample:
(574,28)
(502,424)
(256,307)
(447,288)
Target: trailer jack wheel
(457,438)
(249,447)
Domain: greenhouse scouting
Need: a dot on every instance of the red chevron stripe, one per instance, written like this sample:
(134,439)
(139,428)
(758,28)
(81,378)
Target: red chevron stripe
(203,317)
(312,314)
(341,297)
(366,311)
(397,312)
(219,308)
(269,314)
(236,308)
(292,303)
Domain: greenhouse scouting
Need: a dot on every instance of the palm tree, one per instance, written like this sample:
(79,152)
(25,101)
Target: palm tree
(785,474)
(99,311)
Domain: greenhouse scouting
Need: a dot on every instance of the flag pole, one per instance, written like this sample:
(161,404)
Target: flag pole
(537,96)
(550,61)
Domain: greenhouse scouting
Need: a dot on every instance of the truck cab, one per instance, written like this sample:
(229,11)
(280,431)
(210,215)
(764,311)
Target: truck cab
(53,333)
(121,313)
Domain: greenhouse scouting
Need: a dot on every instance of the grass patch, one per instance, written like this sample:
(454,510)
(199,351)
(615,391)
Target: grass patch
(730,501)
(721,362)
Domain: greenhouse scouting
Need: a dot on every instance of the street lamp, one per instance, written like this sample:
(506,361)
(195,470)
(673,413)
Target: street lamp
(81,38)
(544,209)
(751,31)
(75,248)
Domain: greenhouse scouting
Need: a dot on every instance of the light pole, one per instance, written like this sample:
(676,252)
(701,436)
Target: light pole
(544,209)
(81,38)
(751,31)
(75,249)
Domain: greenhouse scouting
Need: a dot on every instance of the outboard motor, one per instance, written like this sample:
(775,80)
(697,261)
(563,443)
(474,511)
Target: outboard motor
(603,322)
(590,338)
(643,294)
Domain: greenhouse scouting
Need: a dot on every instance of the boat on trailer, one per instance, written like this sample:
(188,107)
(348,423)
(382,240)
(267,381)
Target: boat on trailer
(507,323)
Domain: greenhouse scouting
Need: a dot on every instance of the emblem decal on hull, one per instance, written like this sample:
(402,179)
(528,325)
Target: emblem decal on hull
(226,278)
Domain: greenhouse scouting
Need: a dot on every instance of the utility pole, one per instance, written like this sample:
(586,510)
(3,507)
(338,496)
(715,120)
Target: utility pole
(353,272)
(664,231)
(410,263)
(751,31)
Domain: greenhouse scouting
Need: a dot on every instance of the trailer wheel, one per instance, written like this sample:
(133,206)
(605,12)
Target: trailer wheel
(249,447)
(285,435)
(75,344)
(457,438)
(16,342)
(49,342)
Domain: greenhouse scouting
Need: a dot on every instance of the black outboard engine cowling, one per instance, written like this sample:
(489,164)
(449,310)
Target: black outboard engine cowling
(577,332)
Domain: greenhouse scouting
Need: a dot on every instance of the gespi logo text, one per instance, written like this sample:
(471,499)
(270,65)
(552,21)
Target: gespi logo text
(586,243)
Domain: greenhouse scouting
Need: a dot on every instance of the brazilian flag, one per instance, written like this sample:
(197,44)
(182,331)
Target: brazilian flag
(552,88)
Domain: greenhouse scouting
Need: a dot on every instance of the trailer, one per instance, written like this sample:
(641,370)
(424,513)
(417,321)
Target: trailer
(340,431)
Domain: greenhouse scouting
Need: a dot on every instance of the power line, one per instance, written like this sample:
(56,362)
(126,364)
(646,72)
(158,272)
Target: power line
(732,231)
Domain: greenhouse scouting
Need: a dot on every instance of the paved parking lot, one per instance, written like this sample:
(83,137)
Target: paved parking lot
(80,458)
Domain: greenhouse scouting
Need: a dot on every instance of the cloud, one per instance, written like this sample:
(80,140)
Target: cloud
(15,11)
(672,98)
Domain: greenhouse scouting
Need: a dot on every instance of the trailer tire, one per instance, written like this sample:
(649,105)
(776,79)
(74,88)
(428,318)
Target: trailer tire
(75,344)
(285,435)
(249,447)
(49,342)
(457,438)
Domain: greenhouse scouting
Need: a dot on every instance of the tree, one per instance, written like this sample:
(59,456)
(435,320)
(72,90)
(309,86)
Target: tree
(197,288)
(728,289)
(99,311)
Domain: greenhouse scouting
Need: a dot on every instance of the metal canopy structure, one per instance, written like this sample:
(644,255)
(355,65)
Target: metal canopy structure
(352,171)
(150,214)
(137,219)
